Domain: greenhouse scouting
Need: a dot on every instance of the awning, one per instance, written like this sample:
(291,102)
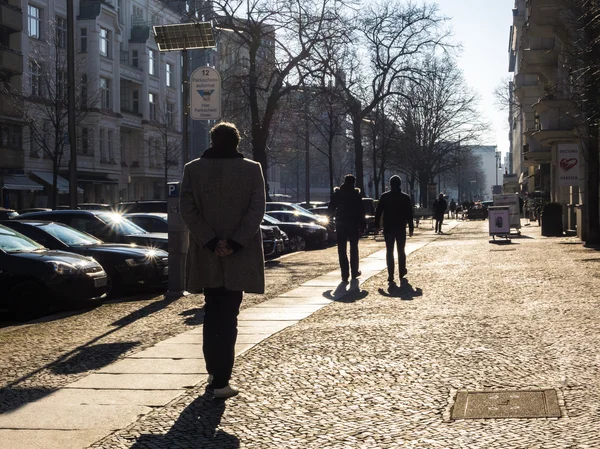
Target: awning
(20,182)
(96,178)
(61,183)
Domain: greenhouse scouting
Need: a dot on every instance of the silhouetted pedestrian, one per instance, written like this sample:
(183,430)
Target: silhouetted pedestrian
(452,208)
(347,206)
(397,213)
(223,203)
(439,209)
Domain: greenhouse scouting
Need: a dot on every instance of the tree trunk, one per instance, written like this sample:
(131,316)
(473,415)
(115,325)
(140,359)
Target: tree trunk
(358,151)
(593,187)
(330,158)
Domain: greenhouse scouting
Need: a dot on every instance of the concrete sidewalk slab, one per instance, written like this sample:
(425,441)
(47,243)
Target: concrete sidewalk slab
(165,351)
(156,366)
(85,396)
(137,381)
(49,439)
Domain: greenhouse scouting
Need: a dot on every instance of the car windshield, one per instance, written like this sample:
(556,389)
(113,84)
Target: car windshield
(121,224)
(68,235)
(271,220)
(15,242)
(301,209)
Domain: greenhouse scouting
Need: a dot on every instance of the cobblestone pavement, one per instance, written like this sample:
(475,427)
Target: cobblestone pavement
(37,359)
(379,369)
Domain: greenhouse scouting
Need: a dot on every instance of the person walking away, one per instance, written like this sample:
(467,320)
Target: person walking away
(397,211)
(222,203)
(439,209)
(452,208)
(347,206)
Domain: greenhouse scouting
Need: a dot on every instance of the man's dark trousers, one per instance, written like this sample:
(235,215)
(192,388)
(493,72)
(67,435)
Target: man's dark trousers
(219,333)
(348,234)
(397,238)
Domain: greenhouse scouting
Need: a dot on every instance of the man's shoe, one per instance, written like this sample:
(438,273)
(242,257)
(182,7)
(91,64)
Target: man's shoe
(209,382)
(356,275)
(225,392)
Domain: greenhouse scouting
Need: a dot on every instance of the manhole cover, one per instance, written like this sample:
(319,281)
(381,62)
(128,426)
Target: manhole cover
(506,404)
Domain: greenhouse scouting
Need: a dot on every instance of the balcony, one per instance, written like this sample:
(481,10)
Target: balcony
(545,12)
(541,51)
(528,84)
(11,61)
(11,107)
(533,151)
(11,17)
(140,30)
(90,9)
(555,120)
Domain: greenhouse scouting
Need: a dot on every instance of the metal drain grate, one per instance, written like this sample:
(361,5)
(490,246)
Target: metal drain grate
(506,404)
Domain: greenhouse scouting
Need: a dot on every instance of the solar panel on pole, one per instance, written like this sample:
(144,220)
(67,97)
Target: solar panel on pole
(184,36)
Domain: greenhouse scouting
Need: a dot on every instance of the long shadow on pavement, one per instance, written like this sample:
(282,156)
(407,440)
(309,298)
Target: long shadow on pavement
(195,428)
(404,291)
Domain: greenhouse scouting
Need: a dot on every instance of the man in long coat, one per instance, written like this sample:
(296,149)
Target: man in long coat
(222,203)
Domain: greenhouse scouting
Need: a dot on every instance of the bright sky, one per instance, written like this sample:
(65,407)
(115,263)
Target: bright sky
(482,27)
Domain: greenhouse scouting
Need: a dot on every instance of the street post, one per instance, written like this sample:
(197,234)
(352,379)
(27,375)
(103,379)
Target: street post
(178,243)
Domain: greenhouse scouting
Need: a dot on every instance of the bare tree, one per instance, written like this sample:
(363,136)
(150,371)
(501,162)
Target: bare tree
(383,45)
(43,104)
(165,143)
(271,40)
(438,114)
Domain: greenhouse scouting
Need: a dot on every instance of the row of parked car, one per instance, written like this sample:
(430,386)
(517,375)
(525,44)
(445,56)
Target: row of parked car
(49,257)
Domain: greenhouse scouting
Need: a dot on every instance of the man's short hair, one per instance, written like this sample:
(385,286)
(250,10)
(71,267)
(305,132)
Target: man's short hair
(225,135)
(349,179)
(395,180)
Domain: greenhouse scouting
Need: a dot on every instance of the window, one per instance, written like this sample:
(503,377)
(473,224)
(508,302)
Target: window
(101,145)
(85,143)
(135,59)
(104,42)
(61,85)
(137,16)
(169,115)
(84,90)
(36,78)
(83,40)
(151,106)
(104,93)
(169,68)
(61,32)
(35,21)
(135,103)
(10,136)
(109,145)
(152,62)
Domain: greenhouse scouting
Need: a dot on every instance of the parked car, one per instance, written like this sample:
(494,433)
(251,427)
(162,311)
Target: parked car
(130,207)
(273,244)
(6,214)
(95,206)
(370,207)
(150,221)
(107,226)
(34,209)
(302,235)
(301,217)
(33,279)
(276,206)
(129,268)
(313,204)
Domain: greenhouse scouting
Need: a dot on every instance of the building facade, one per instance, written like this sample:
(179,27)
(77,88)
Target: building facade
(127,93)
(542,112)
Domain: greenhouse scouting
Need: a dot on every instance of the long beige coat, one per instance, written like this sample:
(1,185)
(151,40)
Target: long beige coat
(224,198)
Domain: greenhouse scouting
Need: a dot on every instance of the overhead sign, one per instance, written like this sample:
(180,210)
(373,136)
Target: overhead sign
(205,93)
(568,164)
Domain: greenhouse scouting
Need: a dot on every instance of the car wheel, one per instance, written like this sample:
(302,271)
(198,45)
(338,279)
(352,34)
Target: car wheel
(298,243)
(26,301)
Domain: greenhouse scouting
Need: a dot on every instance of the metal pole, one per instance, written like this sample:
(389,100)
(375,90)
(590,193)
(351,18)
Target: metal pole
(186,106)
(307,152)
(72,128)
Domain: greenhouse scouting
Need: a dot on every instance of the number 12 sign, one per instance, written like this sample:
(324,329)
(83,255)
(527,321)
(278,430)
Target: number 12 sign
(205,94)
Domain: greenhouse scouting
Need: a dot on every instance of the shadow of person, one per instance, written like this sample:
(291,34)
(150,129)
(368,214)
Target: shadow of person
(404,291)
(346,292)
(195,428)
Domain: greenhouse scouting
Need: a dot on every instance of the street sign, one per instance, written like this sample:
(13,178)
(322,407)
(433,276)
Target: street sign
(205,94)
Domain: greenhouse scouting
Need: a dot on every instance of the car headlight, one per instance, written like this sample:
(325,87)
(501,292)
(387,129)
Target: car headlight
(324,220)
(138,262)
(63,268)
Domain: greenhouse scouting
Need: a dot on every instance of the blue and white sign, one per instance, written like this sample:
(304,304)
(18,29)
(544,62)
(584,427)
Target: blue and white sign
(205,94)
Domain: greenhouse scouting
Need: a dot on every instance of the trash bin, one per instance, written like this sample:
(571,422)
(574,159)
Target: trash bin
(552,224)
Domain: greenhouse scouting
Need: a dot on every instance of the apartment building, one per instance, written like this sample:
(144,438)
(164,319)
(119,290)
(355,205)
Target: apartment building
(128,98)
(14,184)
(542,113)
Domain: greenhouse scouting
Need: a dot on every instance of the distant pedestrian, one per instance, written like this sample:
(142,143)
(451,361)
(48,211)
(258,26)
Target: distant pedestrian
(439,209)
(397,211)
(452,208)
(223,203)
(347,206)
